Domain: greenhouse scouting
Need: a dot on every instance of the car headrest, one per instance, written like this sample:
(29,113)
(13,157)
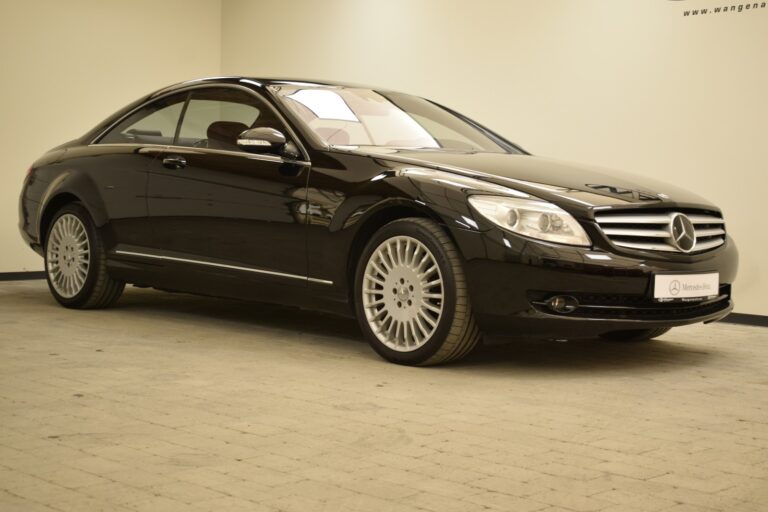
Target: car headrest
(223,134)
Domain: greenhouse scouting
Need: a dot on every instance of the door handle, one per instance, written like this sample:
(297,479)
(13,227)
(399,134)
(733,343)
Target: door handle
(174,162)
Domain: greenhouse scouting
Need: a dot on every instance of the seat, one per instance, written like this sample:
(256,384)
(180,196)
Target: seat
(223,134)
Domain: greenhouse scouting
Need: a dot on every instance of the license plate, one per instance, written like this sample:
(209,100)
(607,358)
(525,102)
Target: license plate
(685,286)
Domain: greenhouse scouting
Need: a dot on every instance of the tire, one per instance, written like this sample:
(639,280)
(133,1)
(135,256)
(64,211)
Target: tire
(71,243)
(396,295)
(634,335)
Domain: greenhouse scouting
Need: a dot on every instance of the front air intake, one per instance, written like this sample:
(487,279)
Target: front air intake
(673,231)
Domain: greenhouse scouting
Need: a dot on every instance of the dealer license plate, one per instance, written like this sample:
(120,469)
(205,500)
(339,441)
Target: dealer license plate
(668,287)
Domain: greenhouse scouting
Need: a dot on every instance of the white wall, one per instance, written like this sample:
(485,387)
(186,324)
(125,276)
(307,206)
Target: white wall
(627,84)
(66,65)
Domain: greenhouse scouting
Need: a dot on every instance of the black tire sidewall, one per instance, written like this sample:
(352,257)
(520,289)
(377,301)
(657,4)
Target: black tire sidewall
(82,297)
(419,232)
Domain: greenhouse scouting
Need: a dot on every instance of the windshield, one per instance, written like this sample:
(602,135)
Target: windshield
(346,116)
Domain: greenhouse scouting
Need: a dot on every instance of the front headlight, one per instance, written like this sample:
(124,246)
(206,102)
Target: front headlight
(532,217)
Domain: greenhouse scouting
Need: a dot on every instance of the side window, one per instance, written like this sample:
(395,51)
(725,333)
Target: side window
(215,117)
(152,124)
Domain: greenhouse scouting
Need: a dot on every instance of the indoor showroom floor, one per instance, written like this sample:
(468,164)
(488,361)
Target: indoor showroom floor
(175,402)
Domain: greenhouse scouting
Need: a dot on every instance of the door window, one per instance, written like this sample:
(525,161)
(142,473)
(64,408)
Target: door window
(215,117)
(152,124)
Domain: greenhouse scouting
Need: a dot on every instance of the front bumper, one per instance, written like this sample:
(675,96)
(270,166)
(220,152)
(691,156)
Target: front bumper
(510,279)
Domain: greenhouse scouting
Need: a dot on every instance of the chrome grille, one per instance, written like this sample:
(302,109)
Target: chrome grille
(653,231)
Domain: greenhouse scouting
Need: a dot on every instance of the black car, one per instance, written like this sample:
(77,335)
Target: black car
(427,226)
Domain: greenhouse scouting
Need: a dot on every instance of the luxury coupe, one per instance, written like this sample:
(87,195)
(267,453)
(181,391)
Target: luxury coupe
(427,226)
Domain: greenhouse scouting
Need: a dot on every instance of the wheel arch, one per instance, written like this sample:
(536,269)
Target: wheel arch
(55,204)
(374,221)
(67,188)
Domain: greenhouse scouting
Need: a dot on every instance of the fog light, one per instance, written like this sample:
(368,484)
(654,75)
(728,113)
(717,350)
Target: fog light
(563,304)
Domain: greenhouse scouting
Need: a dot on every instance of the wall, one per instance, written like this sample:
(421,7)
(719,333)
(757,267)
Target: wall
(621,83)
(67,65)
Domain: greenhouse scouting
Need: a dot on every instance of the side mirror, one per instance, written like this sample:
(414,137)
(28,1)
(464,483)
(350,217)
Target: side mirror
(261,140)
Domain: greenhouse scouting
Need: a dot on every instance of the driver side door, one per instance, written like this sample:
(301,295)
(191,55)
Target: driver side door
(215,206)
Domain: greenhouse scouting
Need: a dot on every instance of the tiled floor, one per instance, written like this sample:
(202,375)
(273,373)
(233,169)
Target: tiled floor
(172,402)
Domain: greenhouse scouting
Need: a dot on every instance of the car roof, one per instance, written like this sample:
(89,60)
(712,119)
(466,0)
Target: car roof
(258,83)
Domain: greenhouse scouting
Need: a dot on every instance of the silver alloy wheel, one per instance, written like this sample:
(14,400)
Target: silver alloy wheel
(403,293)
(68,255)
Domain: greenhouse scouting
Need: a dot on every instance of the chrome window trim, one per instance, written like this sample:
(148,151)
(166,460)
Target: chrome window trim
(259,96)
(188,149)
(224,265)
(108,144)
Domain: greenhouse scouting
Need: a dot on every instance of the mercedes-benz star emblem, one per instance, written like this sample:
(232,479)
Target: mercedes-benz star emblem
(674,287)
(683,233)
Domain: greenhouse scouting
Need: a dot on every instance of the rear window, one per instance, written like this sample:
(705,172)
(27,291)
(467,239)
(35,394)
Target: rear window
(152,124)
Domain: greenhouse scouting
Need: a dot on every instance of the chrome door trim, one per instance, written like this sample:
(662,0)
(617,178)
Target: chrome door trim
(223,265)
(319,281)
(189,149)
(119,144)
(242,154)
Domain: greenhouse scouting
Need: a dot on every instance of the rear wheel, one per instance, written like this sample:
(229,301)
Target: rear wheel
(411,295)
(634,335)
(75,261)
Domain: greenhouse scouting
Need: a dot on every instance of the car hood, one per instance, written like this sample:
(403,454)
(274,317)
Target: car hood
(569,185)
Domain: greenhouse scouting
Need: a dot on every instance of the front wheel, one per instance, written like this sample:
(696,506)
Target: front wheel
(411,295)
(75,261)
(634,335)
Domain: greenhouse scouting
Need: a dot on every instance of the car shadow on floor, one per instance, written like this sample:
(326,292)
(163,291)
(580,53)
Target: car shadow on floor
(588,355)
(518,354)
(241,313)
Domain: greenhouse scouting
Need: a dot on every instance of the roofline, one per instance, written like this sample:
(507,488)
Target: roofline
(258,83)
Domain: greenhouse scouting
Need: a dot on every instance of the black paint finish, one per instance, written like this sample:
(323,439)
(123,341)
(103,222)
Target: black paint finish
(281,229)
